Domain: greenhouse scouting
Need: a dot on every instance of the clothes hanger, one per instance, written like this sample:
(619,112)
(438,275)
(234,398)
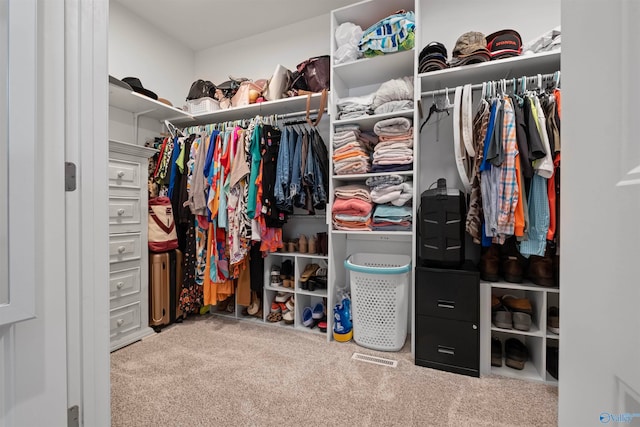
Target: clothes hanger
(435,109)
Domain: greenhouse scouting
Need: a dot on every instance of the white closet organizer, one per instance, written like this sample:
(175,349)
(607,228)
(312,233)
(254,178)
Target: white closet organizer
(297,224)
(357,78)
(436,143)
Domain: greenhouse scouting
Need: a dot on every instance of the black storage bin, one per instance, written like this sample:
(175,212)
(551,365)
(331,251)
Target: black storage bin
(441,230)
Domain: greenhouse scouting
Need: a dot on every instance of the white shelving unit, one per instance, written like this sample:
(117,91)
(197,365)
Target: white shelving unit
(362,77)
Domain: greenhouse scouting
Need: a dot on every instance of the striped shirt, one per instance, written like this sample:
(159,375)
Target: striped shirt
(508,190)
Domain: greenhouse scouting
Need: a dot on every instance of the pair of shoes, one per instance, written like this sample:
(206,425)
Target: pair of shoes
(511,312)
(292,245)
(490,263)
(309,271)
(278,307)
(288,310)
(275,276)
(255,308)
(228,304)
(553,320)
(496,352)
(313,244)
(286,273)
(318,279)
(516,353)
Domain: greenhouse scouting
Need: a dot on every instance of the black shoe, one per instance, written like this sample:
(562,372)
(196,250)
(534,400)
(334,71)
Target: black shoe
(516,353)
(496,352)
(552,361)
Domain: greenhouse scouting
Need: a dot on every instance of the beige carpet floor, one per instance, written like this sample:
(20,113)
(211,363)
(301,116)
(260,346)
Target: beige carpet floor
(211,371)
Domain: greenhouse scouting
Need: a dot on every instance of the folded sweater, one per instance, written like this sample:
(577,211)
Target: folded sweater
(392,127)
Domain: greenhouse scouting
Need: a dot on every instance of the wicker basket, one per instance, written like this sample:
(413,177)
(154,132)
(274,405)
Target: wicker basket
(202,105)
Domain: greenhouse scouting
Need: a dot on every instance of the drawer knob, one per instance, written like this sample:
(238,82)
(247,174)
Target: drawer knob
(120,322)
(120,212)
(120,285)
(120,174)
(121,249)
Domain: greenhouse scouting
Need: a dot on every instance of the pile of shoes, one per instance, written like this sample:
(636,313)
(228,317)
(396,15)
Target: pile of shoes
(507,262)
(316,244)
(282,276)
(228,304)
(282,308)
(313,277)
(511,312)
(516,353)
(255,308)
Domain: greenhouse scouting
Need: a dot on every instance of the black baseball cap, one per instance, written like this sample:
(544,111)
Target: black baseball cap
(504,43)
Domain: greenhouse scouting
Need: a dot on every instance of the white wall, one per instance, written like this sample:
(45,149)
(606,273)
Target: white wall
(138,49)
(600,344)
(257,56)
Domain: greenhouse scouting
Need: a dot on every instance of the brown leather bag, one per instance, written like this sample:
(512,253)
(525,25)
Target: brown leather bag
(316,72)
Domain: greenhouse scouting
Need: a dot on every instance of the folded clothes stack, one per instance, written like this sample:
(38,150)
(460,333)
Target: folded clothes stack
(392,218)
(352,207)
(394,150)
(393,95)
(351,149)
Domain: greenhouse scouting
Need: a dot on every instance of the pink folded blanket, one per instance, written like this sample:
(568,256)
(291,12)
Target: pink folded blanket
(351,207)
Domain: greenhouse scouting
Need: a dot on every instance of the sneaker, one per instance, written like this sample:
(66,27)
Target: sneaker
(318,311)
(307,317)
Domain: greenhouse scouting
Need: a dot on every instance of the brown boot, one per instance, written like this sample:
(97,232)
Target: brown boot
(541,270)
(512,262)
(490,263)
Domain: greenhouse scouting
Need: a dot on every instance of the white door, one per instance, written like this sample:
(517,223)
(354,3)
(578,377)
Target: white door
(54,336)
(599,380)
(33,365)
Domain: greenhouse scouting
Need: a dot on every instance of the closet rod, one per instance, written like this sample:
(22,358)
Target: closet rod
(545,78)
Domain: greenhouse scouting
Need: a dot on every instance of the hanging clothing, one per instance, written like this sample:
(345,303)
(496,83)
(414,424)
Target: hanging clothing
(473,222)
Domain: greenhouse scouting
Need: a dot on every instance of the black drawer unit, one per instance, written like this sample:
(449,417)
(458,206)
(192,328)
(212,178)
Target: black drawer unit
(448,319)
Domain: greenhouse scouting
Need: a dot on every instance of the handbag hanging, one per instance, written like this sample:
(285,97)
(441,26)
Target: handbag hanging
(316,72)
(162,228)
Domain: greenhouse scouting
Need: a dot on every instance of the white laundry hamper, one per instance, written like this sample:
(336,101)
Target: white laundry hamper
(380,299)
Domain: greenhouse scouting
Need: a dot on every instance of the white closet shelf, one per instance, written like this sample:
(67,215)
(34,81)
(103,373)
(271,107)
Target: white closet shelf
(528,373)
(133,102)
(552,335)
(374,233)
(517,66)
(533,332)
(299,255)
(525,286)
(367,13)
(296,104)
(279,289)
(390,66)
(367,122)
(321,293)
(363,176)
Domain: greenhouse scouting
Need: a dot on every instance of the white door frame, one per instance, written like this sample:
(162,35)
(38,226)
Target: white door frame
(87,99)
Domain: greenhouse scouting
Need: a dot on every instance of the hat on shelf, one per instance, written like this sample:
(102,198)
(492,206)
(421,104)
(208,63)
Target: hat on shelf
(136,85)
(504,43)
(165,101)
(470,48)
(119,83)
(433,57)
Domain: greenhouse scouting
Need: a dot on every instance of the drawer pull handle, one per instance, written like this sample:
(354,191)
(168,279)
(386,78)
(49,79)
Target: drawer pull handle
(121,249)
(120,174)
(120,322)
(446,350)
(446,304)
(120,285)
(120,212)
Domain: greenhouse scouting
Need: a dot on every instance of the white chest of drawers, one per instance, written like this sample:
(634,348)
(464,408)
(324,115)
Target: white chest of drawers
(128,249)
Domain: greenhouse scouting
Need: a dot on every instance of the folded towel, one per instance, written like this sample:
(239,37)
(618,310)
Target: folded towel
(357,191)
(402,137)
(364,101)
(352,225)
(392,153)
(354,166)
(351,207)
(392,168)
(392,106)
(374,181)
(351,218)
(346,128)
(351,146)
(407,143)
(350,154)
(392,213)
(344,115)
(393,90)
(393,193)
(392,126)
(393,161)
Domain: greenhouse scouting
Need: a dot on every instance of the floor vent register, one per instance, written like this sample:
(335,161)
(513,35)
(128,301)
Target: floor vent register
(375,360)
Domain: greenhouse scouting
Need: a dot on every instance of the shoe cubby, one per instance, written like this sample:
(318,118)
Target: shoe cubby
(534,367)
(553,304)
(539,340)
(269,299)
(309,301)
(278,261)
(310,286)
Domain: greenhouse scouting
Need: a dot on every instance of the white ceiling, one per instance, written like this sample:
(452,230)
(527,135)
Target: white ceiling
(200,24)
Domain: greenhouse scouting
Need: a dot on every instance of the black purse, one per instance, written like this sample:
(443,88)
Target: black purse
(201,89)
